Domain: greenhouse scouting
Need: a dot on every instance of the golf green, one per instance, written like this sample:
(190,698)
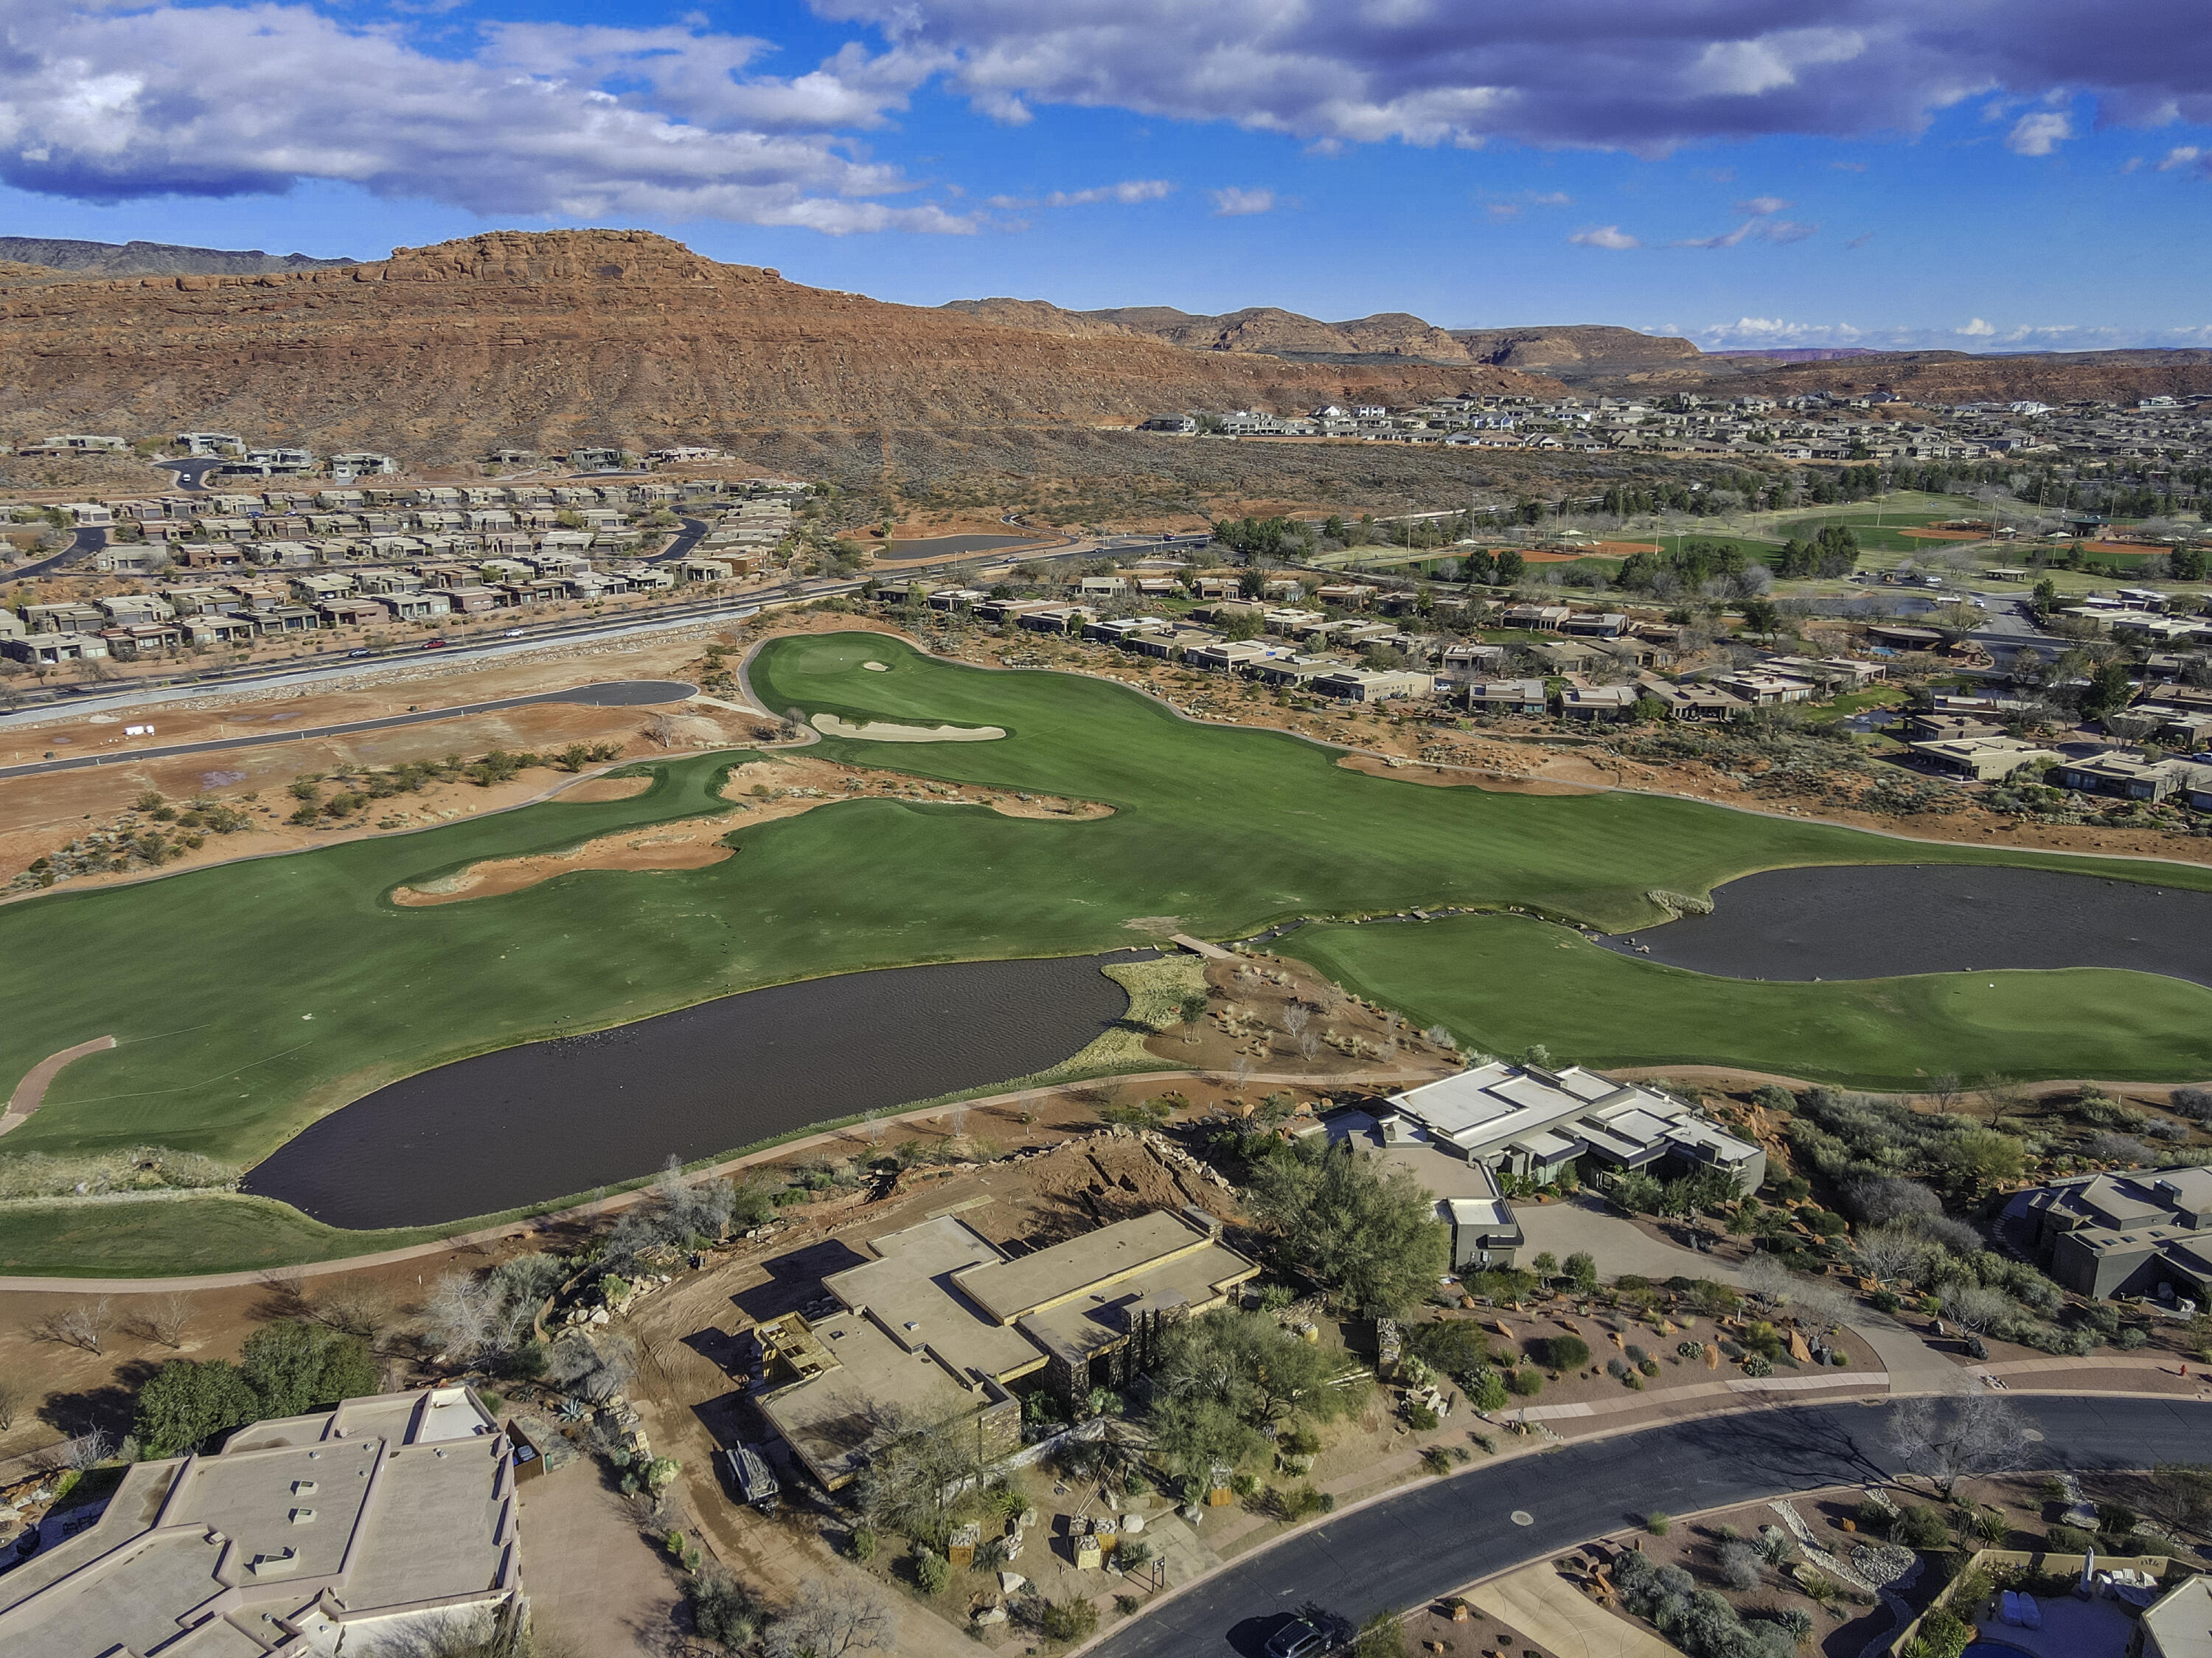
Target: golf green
(1502,983)
(249,999)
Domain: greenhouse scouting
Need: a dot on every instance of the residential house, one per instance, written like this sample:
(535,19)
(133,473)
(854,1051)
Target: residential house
(49,650)
(1597,701)
(936,1325)
(1561,656)
(143,639)
(1536,618)
(1224,655)
(1102,586)
(2130,776)
(1983,758)
(71,616)
(1592,624)
(217,628)
(1372,685)
(2143,1232)
(1523,696)
(1532,1123)
(1760,690)
(354,612)
(706,569)
(1055,618)
(1694,701)
(381,1525)
(1465,661)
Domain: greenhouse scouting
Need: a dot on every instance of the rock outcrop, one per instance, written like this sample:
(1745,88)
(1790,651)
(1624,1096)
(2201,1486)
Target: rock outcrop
(148,258)
(541,340)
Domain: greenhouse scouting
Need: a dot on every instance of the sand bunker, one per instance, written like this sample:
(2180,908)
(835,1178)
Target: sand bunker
(1453,777)
(877,667)
(606,788)
(874,731)
(761,790)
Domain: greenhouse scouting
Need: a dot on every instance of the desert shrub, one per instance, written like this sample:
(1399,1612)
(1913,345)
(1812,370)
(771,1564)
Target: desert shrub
(864,1544)
(1759,1366)
(1486,1392)
(1691,1350)
(1526,1383)
(2070,1539)
(932,1572)
(1740,1566)
(1418,1417)
(1073,1620)
(1921,1528)
(1563,1352)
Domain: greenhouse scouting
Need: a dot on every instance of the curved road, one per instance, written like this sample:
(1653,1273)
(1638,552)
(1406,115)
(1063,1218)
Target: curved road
(611,693)
(86,542)
(1431,1539)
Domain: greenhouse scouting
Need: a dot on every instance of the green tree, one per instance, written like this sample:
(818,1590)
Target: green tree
(293,1367)
(1760,617)
(1511,566)
(2110,690)
(1364,1230)
(1251,1364)
(189,1400)
(1583,1269)
(1983,1157)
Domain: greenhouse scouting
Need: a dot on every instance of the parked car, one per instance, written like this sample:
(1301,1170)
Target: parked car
(1296,1639)
(749,1472)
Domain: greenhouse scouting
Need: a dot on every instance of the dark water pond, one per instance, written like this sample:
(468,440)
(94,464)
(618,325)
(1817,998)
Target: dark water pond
(542,1120)
(956,546)
(1868,921)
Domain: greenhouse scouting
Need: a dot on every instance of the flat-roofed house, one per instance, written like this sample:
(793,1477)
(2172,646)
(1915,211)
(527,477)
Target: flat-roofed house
(1225,655)
(1526,697)
(1372,685)
(1597,701)
(382,1526)
(2131,775)
(1984,759)
(2143,1232)
(1531,1123)
(932,1330)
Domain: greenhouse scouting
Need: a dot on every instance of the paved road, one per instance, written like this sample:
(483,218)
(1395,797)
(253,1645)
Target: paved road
(192,474)
(85,544)
(610,693)
(1435,1537)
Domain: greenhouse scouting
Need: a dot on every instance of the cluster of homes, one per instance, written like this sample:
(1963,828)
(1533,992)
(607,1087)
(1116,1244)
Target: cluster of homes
(1287,646)
(384,1526)
(939,1323)
(280,563)
(239,458)
(1818,426)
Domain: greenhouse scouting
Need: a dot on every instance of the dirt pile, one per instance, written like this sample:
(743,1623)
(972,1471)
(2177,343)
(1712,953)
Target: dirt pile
(542,341)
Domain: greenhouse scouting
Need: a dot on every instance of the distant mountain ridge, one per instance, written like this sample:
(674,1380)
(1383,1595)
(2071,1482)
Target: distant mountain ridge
(1386,336)
(136,258)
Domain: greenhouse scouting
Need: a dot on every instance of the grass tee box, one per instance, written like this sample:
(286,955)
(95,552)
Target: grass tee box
(249,999)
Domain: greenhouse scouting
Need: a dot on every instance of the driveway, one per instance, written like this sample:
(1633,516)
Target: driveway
(1618,1247)
(1551,1612)
(593,1580)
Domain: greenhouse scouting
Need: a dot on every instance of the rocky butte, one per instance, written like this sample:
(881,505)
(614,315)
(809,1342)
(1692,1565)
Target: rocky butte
(540,340)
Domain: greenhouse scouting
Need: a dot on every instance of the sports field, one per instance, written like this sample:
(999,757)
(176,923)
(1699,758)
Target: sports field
(248,999)
(1501,983)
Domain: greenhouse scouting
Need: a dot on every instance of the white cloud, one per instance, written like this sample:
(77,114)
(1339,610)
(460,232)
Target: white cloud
(2188,156)
(668,123)
(2039,133)
(1233,203)
(1978,330)
(1767,333)
(1505,209)
(1553,198)
(1759,224)
(1613,73)
(1608,236)
(1128,193)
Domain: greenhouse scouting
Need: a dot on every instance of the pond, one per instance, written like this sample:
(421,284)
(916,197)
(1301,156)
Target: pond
(547,1119)
(958,546)
(1875,920)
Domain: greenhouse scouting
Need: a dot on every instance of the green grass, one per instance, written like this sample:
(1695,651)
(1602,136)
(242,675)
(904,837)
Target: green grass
(1501,983)
(224,1234)
(249,999)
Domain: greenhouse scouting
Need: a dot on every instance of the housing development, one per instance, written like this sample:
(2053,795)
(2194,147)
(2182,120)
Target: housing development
(1274,988)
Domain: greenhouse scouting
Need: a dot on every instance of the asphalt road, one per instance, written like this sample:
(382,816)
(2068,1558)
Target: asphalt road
(611,693)
(1437,1536)
(85,544)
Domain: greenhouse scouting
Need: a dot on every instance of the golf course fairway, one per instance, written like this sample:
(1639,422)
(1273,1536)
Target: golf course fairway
(248,999)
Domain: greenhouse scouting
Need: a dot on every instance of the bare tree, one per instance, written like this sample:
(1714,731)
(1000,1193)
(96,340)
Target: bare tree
(828,1623)
(1890,1252)
(1296,1017)
(83,1324)
(1946,1440)
(14,1395)
(360,1306)
(91,1449)
(1241,1073)
(1310,1046)
(168,1318)
(1440,1037)
(461,1316)
(662,729)
(1390,1034)
(1975,1307)
(1943,1089)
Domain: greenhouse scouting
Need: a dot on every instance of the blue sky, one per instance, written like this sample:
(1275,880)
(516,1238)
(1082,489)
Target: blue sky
(1992,174)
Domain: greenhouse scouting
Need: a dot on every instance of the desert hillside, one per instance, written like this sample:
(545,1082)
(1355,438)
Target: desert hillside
(543,340)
